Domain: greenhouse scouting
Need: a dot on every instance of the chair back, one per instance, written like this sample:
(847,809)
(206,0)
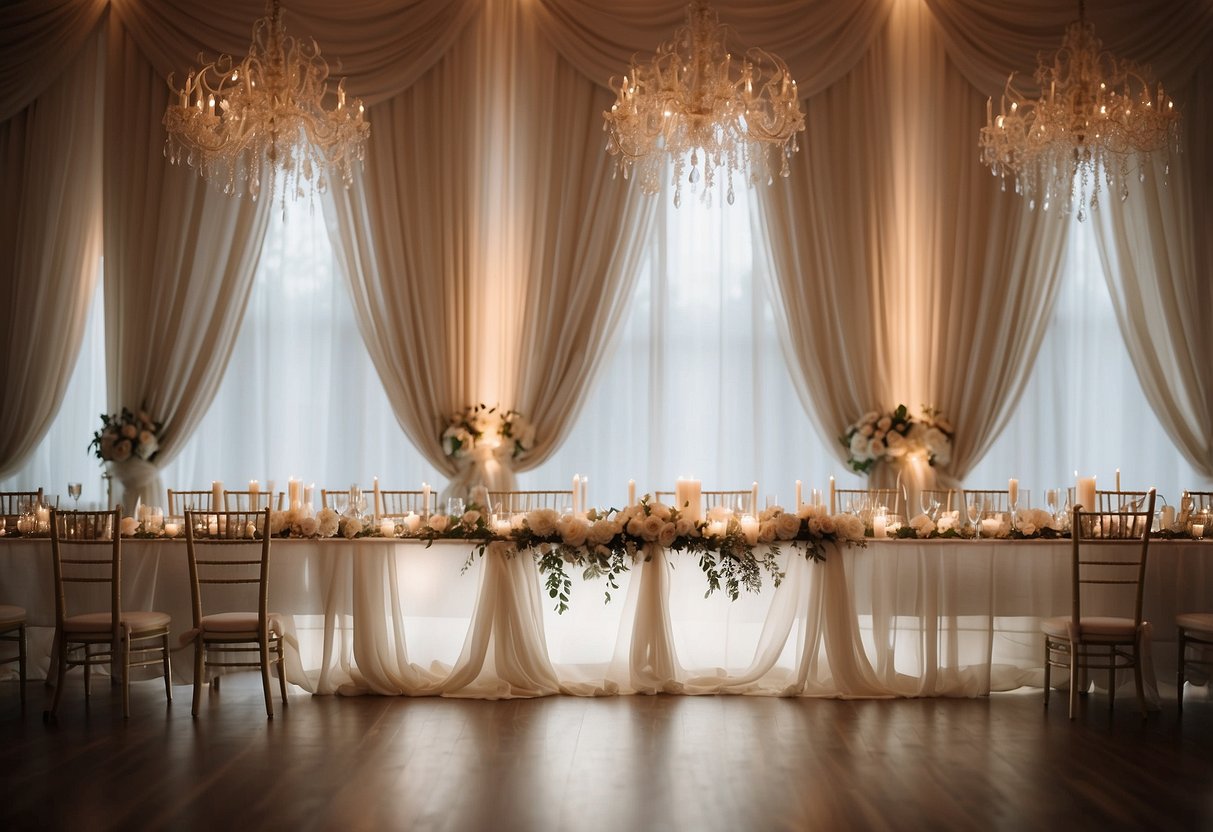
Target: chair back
(399,503)
(1201,500)
(949,499)
(1115,501)
(247,501)
(1108,552)
(12,503)
(988,499)
(520,502)
(179,502)
(86,552)
(740,502)
(864,500)
(228,549)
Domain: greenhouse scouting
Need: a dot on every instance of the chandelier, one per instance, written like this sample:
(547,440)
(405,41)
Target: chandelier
(1096,120)
(693,99)
(235,123)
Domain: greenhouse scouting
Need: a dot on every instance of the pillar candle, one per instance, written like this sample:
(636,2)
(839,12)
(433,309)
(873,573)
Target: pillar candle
(799,494)
(585,495)
(425,498)
(293,488)
(1198,531)
(833,498)
(754,498)
(1117,479)
(172,529)
(387,527)
(253,490)
(749,527)
(1085,493)
(878,526)
(376,511)
(1166,518)
(576,493)
(216,496)
(631,492)
(412,522)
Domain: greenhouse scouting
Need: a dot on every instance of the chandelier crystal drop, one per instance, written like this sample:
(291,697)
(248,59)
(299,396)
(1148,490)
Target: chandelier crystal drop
(1097,121)
(695,102)
(265,118)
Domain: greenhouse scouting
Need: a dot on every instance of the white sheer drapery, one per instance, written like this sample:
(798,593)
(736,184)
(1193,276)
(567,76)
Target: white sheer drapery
(50,236)
(39,41)
(923,284)
(503,248)
(1158,259)
(179,263)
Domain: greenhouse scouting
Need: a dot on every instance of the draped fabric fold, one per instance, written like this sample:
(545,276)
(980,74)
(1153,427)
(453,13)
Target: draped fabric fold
(1158,261)
(820,41)
(179,261)
(39,41)
(904,275)
(492,265)
(380,46)
(50,236)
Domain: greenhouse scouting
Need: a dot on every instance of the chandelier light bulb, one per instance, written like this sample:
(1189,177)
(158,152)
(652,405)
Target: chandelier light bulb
(693,102)
(266,118)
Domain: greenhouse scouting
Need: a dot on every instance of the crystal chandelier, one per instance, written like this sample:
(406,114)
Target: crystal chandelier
(235,123)
(1097,118)
(693,99)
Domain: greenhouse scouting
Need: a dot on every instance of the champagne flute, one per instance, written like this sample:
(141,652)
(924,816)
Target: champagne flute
(929,503)
(74,489)
(974,514)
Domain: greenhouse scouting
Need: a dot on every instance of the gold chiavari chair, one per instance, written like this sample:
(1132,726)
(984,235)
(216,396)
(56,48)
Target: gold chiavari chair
(1196,632)
(237,554)
(251,501)
(988,499)
(12,503)
(400,503)
(520,502)
(1112,501)
(86,549)
(1108,556)
(179,502)
(12,628)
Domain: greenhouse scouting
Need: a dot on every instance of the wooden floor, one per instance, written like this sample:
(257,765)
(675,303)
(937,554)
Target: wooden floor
(624,763)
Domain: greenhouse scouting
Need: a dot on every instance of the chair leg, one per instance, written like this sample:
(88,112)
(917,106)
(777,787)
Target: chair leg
(168,671)
(1141,693)
(21,661)
(1179,674)
(126,676)
(1073,678)
(264,647)
(1048,670)
(199,672)
(281,672)
(60,676)
(1111,678)
(52,670)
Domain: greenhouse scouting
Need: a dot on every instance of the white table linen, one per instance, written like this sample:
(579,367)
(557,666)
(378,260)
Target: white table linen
(897,618)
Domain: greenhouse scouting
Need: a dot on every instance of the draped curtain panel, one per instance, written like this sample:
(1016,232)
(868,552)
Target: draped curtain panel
(1158,261)
(39,41)
(904,274)
(50,242)
(179,263)
(493,264)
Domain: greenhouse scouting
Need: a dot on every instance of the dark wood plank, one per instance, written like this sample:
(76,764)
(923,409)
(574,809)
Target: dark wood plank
(664,762)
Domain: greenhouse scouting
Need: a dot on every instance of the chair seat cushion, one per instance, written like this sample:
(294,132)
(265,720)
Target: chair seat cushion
(1202,621)
(135,621)
(10,616)
(1091,627)
(236,622)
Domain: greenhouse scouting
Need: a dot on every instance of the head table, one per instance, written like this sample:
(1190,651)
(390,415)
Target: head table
(896,618)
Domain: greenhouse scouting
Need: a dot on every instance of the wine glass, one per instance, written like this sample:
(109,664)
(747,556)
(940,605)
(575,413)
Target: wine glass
(454,506)
(929,502)
(357,501)
(974,513)
(74,489)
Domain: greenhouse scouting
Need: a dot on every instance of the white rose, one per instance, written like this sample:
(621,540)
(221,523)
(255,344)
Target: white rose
(543,521)
(602,532)
(650,527)
(278,522)
(668,534)
(636,526)
(659,510)
(128,526)
(896,443)
(935,441)
(307,526)
(470,519)
(129,431)
(439,522)
(815,526)
(826,524)
(859,446)
(875,449)
(885,423)
(948,520)
(766,532)
(787,526)
(351,527)
(684,527)
(573,531)
(866,431)
(122,450)
(848,526)
(922,525)
(327,522)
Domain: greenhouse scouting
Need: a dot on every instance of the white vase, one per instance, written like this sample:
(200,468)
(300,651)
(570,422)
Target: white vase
(140,481)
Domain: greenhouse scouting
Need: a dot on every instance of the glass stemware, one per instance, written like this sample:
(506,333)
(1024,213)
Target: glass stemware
(454,506)
(74,490)
(973,511)
(929,503)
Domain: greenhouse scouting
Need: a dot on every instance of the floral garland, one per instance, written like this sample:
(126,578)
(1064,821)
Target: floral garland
(482,425)
(126,434)
(880,436)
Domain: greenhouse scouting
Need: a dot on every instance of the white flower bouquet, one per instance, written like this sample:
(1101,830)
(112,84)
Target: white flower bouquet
(484,426)
(879,436)
(125,435)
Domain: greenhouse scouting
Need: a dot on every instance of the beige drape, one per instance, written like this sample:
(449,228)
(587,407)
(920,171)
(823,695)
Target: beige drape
(1157,252)
(491,264)
(50,240)
(904,275)
(179,263)
(39,40)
